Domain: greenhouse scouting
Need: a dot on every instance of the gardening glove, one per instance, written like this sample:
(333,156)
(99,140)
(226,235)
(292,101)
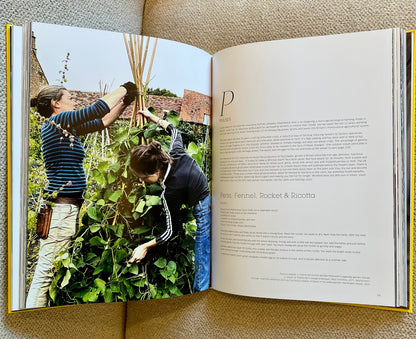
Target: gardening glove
(131,92)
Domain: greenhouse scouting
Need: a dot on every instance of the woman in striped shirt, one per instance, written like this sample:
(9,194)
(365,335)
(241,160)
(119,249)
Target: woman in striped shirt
(63,156)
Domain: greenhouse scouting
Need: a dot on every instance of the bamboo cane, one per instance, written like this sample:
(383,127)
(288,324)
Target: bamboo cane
(151,63)
(137,48)
(145,52)
(139,59)
(148,73)
(126,43)
(132,67)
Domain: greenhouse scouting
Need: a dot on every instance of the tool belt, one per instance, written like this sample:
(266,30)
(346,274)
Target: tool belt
(43,221)
(44,216)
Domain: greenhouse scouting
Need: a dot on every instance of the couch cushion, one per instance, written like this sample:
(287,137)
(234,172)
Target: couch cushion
(217,24)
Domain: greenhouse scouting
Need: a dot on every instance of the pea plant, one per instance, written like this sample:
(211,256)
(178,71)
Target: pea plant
(119,213)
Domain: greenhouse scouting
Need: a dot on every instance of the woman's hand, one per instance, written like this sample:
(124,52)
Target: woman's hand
(131,94)
(149,115)
(140,251)
(146,113)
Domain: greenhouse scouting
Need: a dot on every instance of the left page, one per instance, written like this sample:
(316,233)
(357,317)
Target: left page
(14,86)
(122,227)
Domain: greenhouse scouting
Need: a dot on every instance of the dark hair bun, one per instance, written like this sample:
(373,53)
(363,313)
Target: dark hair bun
(155,147)
(34,102)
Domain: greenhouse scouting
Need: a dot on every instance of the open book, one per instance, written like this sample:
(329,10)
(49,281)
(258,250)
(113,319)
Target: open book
(312,166)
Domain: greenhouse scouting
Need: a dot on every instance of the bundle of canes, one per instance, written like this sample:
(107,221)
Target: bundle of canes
(137,58)
(137,48)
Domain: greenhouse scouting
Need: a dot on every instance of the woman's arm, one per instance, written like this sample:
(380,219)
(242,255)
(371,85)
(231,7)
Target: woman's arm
(112,116)
(126,92)
(140,251)
(146,113)
(113,98)
(84,120)
(99,124)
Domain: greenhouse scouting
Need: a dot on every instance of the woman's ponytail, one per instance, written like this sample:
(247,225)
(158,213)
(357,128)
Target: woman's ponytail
(154,147)
(34,102)
(42,102)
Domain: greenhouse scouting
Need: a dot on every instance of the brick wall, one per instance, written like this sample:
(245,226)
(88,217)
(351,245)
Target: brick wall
(193,107)
(83,99)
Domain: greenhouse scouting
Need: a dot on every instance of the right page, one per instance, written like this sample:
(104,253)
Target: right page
(303,169)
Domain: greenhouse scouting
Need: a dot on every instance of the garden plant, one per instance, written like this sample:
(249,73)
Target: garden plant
(118,214)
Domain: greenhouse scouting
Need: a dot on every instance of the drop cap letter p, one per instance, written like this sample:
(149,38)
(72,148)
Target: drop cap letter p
(227,98)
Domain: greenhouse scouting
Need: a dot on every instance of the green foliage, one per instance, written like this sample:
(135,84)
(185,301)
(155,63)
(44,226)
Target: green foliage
(119,214)
(36,182)
(62,73)
(192,132)
(160,92)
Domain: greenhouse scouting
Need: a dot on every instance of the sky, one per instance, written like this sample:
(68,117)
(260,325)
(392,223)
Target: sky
(101,56)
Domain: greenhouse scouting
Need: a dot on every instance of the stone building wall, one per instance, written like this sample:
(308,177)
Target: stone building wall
(37,76)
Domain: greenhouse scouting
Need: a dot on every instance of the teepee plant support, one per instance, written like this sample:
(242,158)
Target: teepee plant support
(137,48)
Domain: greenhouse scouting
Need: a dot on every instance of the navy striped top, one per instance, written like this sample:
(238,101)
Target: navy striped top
(63,161)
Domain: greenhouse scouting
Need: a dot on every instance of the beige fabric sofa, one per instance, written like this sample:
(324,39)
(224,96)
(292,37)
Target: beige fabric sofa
(211,25)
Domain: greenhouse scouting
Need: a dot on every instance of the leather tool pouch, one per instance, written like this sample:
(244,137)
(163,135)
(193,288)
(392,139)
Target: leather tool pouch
(44,221)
